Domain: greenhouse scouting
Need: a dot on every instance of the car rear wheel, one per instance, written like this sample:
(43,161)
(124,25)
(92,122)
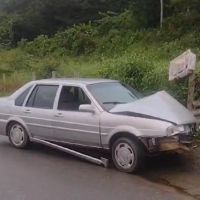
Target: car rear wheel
(18,136)
(127,155)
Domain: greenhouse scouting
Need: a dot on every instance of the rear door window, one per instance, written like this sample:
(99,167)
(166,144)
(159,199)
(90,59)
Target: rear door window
(43,96)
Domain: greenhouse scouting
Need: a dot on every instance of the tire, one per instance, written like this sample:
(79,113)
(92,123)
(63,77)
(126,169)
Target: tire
(18,136)
(127,155)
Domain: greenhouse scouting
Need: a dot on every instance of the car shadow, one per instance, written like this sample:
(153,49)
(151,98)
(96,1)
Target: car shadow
(161,163)
(162,169)
(49,151)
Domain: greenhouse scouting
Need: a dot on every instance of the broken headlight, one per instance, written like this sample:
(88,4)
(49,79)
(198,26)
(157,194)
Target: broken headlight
(173,130)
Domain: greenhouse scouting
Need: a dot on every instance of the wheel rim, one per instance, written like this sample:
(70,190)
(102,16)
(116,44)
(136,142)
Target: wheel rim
(17,135)
(124,155)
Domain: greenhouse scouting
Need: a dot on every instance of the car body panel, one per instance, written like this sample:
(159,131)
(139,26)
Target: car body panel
(112,124)
(38,121)
(76,127)
(5,113)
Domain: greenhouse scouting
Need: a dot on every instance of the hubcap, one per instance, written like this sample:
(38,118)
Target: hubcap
(17,135)
(124,155)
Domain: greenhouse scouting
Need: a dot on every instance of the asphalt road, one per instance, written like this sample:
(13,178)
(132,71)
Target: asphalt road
(41,173)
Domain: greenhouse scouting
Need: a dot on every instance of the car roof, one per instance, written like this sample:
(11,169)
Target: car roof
(70,81)
(76,81)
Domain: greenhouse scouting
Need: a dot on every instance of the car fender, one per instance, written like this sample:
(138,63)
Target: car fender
(106,137)
(20,121)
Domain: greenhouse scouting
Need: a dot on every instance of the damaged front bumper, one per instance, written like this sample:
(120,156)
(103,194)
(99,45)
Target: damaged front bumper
(179,142)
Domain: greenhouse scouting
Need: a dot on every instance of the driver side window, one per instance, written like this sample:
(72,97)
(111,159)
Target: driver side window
(71,98)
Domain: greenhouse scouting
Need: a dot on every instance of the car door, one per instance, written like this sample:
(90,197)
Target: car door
(71,125)
(38,111)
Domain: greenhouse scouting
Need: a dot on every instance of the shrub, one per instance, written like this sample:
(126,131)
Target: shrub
(77,40)
(41,46)
(145,71)
(121,22)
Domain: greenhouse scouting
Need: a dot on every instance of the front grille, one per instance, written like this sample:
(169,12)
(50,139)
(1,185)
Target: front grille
(187,137)
(183,138)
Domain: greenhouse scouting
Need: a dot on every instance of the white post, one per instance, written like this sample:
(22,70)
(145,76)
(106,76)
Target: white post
(53,74)
(161,13)
(33,76)
(4,82)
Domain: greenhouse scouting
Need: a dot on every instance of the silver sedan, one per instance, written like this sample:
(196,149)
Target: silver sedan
(103,114)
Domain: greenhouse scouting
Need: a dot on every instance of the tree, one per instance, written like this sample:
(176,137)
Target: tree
(34,17)
(147,12)
(185,6)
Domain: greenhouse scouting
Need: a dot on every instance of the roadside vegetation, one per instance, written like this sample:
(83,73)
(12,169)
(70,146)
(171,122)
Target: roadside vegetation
(123,43)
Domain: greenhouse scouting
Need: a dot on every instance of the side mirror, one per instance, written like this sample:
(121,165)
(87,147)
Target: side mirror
(86,108)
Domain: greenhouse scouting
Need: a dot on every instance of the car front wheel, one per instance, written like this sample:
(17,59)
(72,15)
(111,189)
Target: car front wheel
(127,154)
(18,136)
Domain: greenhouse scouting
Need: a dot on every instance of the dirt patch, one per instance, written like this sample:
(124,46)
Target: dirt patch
(181,171)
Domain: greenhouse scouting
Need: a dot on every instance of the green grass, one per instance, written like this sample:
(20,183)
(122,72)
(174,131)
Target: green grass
(151,60)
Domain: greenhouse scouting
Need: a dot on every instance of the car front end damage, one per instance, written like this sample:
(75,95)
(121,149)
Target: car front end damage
(162,108)
(178,140)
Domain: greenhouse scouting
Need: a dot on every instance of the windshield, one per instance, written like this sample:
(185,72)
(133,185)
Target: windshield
(112,93)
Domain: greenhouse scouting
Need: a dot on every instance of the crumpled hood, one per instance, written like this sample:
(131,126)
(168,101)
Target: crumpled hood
(160,106)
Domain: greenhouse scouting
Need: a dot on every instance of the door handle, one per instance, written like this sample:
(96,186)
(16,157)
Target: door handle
(59,115)
(27,111)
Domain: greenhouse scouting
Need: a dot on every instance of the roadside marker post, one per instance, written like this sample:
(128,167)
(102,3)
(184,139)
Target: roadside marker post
(184,66)
(4,82)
